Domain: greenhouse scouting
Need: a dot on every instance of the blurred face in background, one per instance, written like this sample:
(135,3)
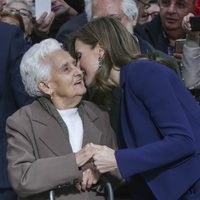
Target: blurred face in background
(149,13)
(101,8)
(58,7)
(13,19)
(142,6)
(2,3)
(173,11)
(25,13)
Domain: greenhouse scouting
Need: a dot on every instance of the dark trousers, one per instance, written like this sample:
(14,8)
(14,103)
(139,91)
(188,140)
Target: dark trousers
(7,194)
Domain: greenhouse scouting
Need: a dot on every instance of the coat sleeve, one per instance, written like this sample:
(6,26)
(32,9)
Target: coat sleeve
(16,52)
(155,86)
(29,174)
(191,66)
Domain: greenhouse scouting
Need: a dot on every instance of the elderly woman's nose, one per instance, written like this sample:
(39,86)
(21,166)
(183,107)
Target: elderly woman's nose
(78,64)
(78,71)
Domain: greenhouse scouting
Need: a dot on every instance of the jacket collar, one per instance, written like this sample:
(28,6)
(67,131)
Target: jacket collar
(55,137)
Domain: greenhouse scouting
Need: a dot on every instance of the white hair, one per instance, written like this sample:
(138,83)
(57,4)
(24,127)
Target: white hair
(129,7)
(34,66)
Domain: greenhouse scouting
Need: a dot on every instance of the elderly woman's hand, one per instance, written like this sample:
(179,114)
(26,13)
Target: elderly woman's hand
(90,178)
(186,22)
(85,154)
(104,158)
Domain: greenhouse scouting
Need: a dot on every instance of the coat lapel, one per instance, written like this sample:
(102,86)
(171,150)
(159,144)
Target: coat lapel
(50,132)
(91,133)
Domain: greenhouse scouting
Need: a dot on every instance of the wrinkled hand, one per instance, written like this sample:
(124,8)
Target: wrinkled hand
(186,22)
(90,177)
(43,24)
(104,158)
(85,154)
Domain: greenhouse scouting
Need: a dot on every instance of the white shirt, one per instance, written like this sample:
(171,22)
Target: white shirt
(74,124)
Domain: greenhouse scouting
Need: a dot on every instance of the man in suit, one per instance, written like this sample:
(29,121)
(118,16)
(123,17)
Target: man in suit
(12,93)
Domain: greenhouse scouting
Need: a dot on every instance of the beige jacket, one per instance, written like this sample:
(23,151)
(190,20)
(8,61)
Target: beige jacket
(40,156)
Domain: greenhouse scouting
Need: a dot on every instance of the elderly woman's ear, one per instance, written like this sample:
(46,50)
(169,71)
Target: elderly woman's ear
(45,88)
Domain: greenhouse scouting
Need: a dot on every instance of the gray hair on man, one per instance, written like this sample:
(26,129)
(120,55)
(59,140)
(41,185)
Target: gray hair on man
(129,7)
(34,66)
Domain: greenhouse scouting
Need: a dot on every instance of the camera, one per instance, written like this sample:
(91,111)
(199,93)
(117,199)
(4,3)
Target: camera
(195,23)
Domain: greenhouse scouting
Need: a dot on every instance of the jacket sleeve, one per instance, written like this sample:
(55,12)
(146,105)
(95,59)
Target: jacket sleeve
(191,64)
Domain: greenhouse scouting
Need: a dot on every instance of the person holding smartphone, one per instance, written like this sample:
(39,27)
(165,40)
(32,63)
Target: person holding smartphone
(191,52)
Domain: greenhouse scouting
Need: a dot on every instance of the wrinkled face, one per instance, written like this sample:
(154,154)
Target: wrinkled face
(66,80)
(10,20)
(149,13)
(25,14)
(103,8)
(58,7)
(173,11)
(88,60)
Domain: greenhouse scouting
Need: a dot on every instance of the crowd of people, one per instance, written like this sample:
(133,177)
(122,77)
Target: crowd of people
(94,90)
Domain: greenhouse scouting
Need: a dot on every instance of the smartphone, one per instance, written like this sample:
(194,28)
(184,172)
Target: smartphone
(195,23)
(42,6)
(179,45)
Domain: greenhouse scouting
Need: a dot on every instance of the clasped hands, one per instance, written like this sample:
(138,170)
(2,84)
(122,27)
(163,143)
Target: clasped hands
(93,160)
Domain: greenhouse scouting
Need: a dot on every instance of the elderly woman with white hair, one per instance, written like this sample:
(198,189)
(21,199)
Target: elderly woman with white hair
(45,139)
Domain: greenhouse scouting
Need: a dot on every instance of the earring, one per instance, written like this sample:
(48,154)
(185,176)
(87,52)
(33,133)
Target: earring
(100,65)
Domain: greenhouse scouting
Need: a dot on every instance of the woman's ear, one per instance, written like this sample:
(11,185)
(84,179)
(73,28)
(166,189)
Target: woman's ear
(45,88)
(100,50)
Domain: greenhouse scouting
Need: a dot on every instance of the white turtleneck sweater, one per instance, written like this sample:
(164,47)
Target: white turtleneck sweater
(74,124)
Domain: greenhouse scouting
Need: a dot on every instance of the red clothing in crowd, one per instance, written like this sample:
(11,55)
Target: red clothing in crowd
(197,7)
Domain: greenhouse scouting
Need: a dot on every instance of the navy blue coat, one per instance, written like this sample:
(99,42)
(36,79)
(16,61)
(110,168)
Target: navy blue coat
(161,129)
(12,93)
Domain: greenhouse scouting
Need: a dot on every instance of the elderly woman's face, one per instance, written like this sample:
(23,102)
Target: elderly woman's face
(66,79)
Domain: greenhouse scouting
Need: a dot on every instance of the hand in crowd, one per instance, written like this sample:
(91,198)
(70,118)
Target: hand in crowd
(186,22)
(68,9)
(43,24)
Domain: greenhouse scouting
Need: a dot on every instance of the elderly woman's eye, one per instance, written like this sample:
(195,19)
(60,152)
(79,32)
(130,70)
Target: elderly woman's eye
(66,68)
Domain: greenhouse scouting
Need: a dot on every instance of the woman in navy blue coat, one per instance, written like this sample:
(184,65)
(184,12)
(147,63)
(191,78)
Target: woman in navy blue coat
(159,118)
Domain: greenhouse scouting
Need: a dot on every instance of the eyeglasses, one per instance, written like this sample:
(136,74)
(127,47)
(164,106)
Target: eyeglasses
(146,5)
(178,3)
(23,12)
(152,15)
